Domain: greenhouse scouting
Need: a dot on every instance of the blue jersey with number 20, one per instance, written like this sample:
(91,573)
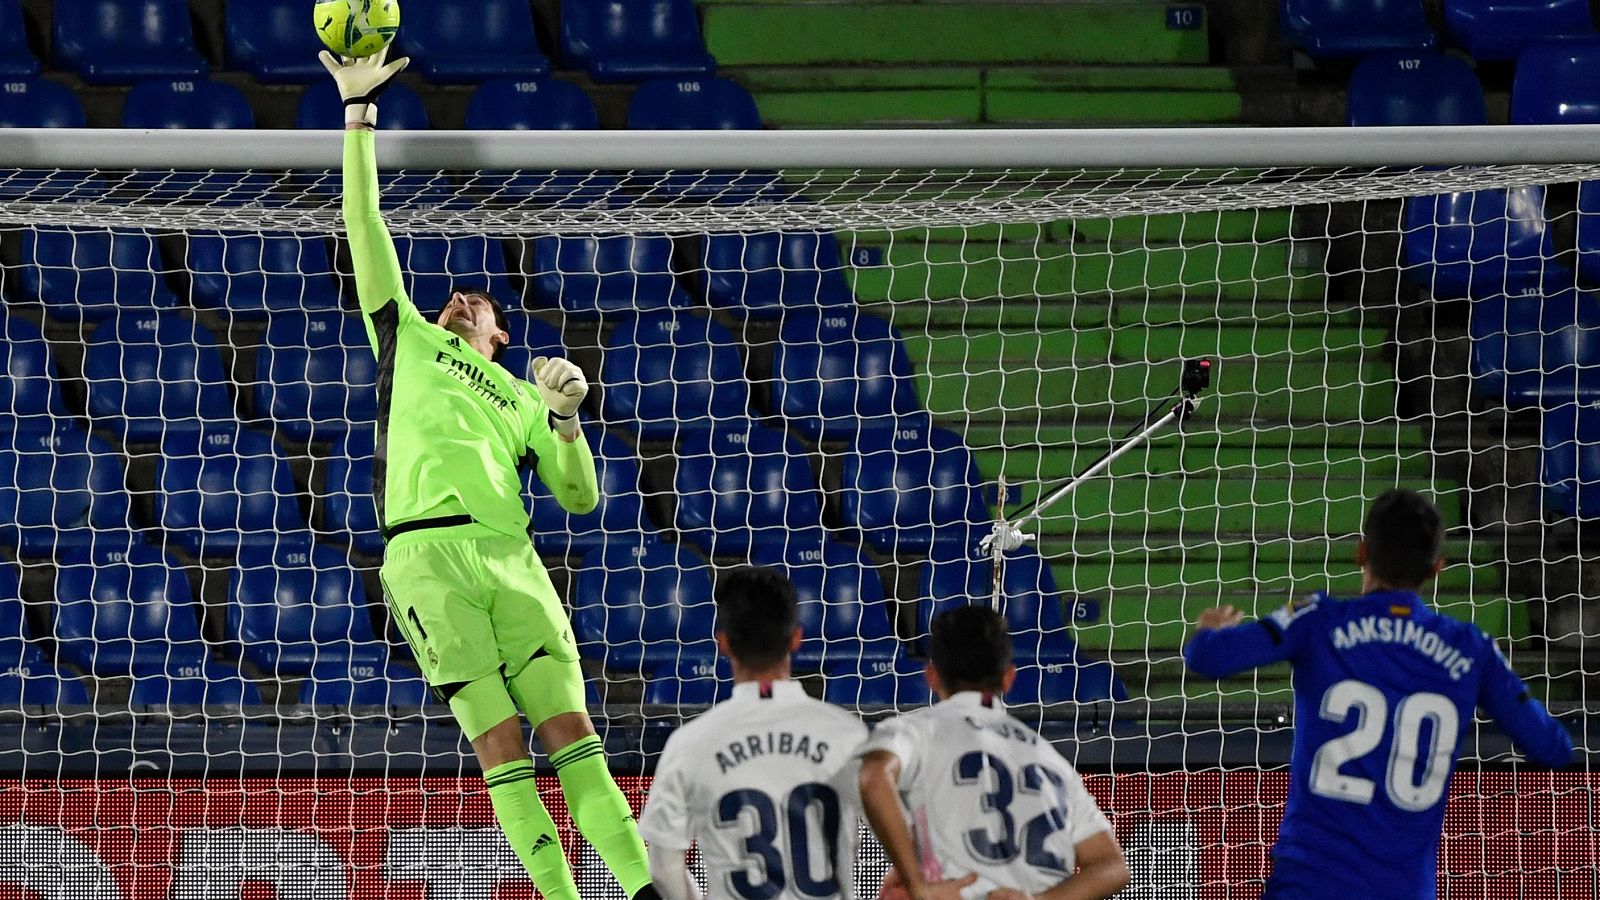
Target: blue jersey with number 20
(1384,688)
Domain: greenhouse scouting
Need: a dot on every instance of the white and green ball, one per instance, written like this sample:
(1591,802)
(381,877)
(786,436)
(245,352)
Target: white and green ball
(357,27)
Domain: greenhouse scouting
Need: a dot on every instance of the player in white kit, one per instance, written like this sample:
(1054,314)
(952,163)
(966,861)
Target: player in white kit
(963,789)
(765,781)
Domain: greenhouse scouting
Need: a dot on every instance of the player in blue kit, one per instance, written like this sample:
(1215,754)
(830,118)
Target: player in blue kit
(1383,688)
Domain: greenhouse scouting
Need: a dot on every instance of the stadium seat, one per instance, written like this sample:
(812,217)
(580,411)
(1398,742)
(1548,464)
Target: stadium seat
(200,103)
(1501,29)
(531,338)
(37,103)
(436,266)
(123,41)
(294,603)
(766,274)
(620,512)
(836,371)
(588,276)
(88,275)
(1351,29)
(321,108)
(697,682)
(1555,85)
(1480,243)
(16,57)
(900,689)
(473,42)
(909,486)
(1534,350)
(150,373)
(633,40)
(212,684)
(268,39)
(643,607)
(348,509)
(58,486)
(26,677)
(29,394)
(1415,89)
(1040,638)
(524,104)
(252,275)
(224,488)
(1569,436)
(340,683)
(127,612)
(700,104)
(316,376)
(739,484)
(842,615)
(666,373)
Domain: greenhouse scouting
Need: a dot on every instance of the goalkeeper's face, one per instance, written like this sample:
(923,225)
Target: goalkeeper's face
(472,316)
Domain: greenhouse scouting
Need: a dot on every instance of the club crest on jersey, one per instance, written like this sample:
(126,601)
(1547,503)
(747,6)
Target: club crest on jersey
(1294,609)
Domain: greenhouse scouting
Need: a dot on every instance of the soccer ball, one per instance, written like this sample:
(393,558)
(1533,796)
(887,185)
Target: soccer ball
(357,27)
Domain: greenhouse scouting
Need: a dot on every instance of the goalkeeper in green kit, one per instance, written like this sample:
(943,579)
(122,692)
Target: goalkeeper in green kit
(459,572)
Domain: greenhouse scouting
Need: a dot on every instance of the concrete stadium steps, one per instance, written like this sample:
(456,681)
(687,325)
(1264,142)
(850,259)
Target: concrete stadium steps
(907,33)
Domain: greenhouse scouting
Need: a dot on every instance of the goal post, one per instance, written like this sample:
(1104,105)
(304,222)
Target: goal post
(822,351)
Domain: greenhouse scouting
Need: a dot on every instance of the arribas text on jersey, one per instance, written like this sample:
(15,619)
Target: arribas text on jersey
(780,743)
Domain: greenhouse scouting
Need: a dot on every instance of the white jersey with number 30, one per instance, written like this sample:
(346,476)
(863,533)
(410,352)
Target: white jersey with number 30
(765,783)
(988,795)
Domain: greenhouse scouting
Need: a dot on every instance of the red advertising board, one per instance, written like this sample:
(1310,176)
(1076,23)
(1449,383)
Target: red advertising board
(1203,835)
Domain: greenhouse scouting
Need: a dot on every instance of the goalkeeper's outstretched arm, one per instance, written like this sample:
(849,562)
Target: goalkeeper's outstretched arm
(566,466)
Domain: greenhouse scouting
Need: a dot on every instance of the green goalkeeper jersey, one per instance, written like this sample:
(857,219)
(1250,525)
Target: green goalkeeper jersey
(454,428)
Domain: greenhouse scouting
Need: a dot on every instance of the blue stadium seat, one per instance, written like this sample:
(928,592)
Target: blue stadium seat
(472,42)
(587,276)
(37,103)
(87,275)
(210,684)
(1040,638)
(643,607)
(153,372)
(1570,462)
(16,57)
(26,677)
(557,532)
(909,486)
(251,275)
(531,338)
(58,486)
(699,104)
(1534,350)
(200,103)
(842,615)
(224,488)
(29,392)
(766,274)
(294,603)
(739,484)
(532,105)
(836,371)
(900,689)
(316,377)
(1350,29)
(634,40)
(123,41)
(337,682)
(1415,89)
(1501,29)
(348,507)
(127,612)
(1555,85)
(666,373)
(697,682)
(269,39)
(320,108)
(436,266)
(1480,243)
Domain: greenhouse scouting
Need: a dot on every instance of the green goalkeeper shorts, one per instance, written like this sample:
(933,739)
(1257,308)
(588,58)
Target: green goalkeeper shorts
(472,602)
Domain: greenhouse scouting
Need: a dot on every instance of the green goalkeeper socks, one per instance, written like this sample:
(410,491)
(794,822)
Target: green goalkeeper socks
(529,828)
(602,812)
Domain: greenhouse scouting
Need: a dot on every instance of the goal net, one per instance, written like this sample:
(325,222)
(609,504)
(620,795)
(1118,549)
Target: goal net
(804,355)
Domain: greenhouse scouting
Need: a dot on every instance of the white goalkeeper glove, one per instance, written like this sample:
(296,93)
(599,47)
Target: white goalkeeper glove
(360,82)
(563,388)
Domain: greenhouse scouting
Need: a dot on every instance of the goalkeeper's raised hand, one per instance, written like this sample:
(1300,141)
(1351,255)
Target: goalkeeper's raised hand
(563,388)
(360,82)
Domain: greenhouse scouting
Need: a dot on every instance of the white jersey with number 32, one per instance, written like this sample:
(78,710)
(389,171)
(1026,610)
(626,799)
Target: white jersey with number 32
(765,783)
(988,795)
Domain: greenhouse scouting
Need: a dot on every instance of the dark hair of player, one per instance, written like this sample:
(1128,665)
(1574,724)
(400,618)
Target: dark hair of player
(757,610)
(1404,536)
(970,648)
(500,320)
